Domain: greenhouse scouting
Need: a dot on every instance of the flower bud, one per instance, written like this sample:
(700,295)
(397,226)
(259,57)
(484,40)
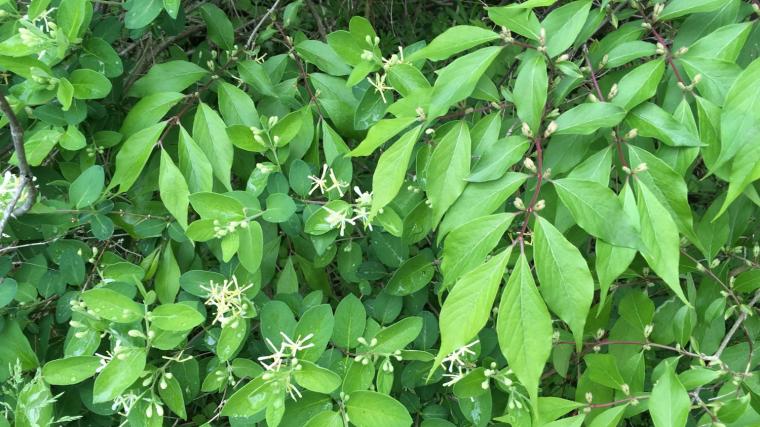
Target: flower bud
(528,163)
(550,129)
(526,130)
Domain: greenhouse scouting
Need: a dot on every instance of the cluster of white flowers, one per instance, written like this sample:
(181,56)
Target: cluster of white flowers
(222,230)
(458,365)
(320,182)
(228,298)
(285,355)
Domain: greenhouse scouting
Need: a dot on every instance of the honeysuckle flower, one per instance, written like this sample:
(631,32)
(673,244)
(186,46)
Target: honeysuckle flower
(458,367)
(338,219)
(287,351)
(362,214)
(364,198)
(228,298)
(379,84)
(320,182)
(336,183)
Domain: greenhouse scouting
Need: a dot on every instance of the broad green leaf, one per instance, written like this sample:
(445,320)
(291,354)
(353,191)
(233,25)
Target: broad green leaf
(112,305)
(669,403)
(315,378)
(133,155)
(629,51)
(741,116)
(497,158)
(563,25)
(524,327)
(219,27)
(71,370)
(173,189)
(467,307)
(398,335)
(520,20)
(652,121)
(595,168)
(530,89)
(350,321)
(412,275)
(669,188)
(457,80)
(280,207)
(380,133)
(467,246)
(86,189)
(172,7)
(173,397)
(194,165)
(566,283)
(678,8)
(725,43)
(448,169)
(251,399)
(373,409)
(167,276)
(217,206)
(209,131)
(89,84)
(596,209)
(176,317)
(172,76)
(72,16)
(323,56)
(119,374)
(231,338)
(659,236)
(454,40)
(148,111)
(236,106)
(612,261)
(639,84)
(609,417)
(603,369)
(73,139)
(391,170)
(251,247)
(407,80)
(141,13)
(586,119)
(716,76)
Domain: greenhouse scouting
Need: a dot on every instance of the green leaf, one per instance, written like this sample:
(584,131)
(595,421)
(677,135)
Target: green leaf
(148,111)
(280,207)
(236,106)
(669,403)
(586,119)
(172,397)
(678,8)
(141,13)
(251,248)
(457,80)
(629,51)
(71,370)
(133,155)
(172,76)
(566,283)
(659,236)
(101,57)
(119,374)
(112,305)
(391,170)
(89,84)
(231,338)
(467,246)
(602,369)
(350,321)
(639,84)
(219,27)
(380,133)
(413,275)
(176,317)
(71,17)
(563,25)
(173,189)
(530,89)
(167,276)
(741,116)
(325,419)
(497,158)
(524,327)
(449,167)
(315,378)
(452,41)
(609,417)
(725,43)
(398,335)
(73,139)
(323,56)
(250,399)
(172,9)
(194,165)
(652,121)
(520,20)
(87,188)
(467,308)
(209,131)
(372,409)
(596,209)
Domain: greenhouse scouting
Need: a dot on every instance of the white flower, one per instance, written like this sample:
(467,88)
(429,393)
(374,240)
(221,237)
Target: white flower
(228,298)
(458,367)
(379,84)
(362,214)
(320,183)
(365,198)
(338,219)
(286,353)
(125,402)
(336,183)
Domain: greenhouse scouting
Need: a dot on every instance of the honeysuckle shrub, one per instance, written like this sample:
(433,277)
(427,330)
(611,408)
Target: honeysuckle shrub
(217,213)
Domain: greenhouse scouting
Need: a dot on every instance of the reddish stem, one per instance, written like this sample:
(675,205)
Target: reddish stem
(534,199)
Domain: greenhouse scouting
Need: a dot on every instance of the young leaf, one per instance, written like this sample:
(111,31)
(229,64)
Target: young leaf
(531,89)
(448,169)
(133,156)
(119,374)
(176,317)
(669,403)
(372,409)
(173,189)
(563,25)
(586,119)
(452,41)
(210,132)
(86,189)
(391,170)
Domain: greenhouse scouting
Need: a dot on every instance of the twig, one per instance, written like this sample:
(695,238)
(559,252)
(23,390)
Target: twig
(735,327)
(617,402)
(26,179)
(252,37)
(317,19)
(301,68)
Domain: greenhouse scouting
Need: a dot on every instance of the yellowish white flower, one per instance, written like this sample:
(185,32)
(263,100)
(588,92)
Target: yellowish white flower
(229,299)
(458,366)
(338,219)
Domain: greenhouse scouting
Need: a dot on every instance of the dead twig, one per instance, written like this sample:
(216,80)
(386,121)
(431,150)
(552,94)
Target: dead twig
(26,179)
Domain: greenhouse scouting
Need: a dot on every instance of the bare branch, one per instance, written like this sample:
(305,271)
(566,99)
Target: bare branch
(25,173)
(252,37)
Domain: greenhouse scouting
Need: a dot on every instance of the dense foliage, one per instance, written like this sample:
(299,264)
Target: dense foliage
(265,213)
